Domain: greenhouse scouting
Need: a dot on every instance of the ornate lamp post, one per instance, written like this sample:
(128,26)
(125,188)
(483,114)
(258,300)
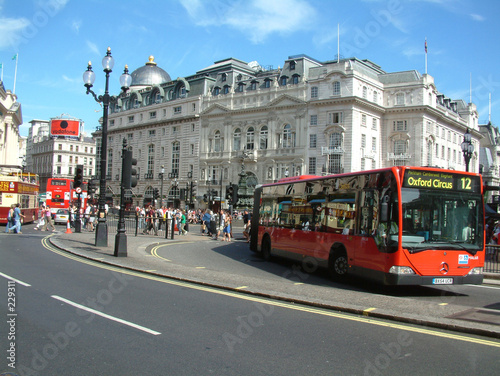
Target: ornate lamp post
(467,149)
(101,234)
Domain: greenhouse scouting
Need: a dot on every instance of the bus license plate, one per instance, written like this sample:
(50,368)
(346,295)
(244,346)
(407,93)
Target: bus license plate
(442,281)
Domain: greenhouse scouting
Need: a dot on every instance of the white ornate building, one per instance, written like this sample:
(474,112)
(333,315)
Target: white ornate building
(11,143)
(236,119)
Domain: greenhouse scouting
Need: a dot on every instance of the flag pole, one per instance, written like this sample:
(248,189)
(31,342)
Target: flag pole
(16,56)
(338,43)
(425,55)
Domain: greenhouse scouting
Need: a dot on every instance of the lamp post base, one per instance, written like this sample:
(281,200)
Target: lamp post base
(101,234)
(120,245)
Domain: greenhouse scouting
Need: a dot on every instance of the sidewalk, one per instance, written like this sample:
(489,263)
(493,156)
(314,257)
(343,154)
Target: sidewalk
(451,316)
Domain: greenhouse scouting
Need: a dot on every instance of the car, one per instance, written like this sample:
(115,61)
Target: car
(61,216)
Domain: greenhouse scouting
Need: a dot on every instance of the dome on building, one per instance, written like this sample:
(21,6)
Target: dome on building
(150,74)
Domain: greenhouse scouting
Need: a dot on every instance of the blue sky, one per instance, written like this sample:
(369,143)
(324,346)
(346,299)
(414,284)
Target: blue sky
(55,39)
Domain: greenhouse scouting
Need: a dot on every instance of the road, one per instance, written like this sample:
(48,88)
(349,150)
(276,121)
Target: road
(78,317)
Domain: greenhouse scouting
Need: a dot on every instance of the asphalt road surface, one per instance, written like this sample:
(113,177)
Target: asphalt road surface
(67,316)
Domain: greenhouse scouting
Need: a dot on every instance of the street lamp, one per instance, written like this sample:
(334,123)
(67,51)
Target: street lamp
(467,149)
(101,233)
(160,175)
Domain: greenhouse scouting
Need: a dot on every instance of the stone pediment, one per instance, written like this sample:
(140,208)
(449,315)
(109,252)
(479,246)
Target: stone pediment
(215,109)
(285,101)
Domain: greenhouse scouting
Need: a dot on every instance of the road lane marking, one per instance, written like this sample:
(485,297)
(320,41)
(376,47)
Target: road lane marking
(15,280)
(109,317)
(253,298)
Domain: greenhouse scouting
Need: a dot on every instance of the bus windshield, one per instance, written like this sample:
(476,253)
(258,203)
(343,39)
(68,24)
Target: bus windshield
(441,220)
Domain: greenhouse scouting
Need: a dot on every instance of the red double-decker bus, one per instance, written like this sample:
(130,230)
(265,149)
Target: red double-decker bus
(395,226)
(60,194)
(19,188)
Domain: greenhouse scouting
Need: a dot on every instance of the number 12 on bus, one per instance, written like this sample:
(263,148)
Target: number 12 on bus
(395,226)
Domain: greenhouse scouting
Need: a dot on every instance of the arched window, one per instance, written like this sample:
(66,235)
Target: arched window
(283,80)
(335,157)
(295,79)
(287,137)
(226,89)
(241,86)
(217,142)
(237,139)
(250,138)
(263,138)
(267,83)
(216,91)
(181,92)
(253,85)
(336,88)
(400,152)
(224,77)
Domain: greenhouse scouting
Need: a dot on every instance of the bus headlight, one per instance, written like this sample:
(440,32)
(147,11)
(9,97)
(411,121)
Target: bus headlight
(401,270)
(476,271)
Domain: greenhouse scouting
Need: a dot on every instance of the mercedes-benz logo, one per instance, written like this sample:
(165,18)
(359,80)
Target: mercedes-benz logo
(445,268)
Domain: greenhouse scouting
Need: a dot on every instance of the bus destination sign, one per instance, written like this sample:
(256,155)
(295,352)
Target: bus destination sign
(444,181)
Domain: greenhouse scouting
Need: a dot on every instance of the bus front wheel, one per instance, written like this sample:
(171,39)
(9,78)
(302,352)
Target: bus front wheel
(338,265)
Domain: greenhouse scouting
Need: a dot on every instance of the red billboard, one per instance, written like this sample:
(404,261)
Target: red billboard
(64,127)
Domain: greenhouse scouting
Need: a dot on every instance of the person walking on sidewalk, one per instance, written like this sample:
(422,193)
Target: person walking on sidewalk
(17,220)
(10,218)
(48,219)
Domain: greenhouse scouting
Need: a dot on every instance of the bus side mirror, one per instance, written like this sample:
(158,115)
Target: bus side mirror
(384,209)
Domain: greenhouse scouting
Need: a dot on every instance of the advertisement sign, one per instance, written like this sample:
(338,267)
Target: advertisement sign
(64,127)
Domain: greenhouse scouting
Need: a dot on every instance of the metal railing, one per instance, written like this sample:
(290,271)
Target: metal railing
(492,259)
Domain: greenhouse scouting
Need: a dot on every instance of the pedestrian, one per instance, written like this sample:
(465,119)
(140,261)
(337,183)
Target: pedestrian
(247,219)
(183,222)
(16,217)
(48,219)
(10,218)
(227,228)
(41,219)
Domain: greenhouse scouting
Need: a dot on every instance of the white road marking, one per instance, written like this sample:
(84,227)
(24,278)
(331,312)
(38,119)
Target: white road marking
(79,306)
(15,280)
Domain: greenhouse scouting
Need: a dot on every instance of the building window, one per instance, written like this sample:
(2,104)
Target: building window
(312,165)
(374,144)
(59,158)
(295,79)
(130,136)
(267,83)
(363,120)
(176,155)
(240,87)
(335,159)
(70,159)
(283,81)
(130,119)
(151,159)
(365,92)
(314,120)
(59,147)
(250,138)
(111,123)
(263,138)
(237,139)
(314,92)
(217,142)
(374,124)
(400,99)
(400,126)
(224,77)
(287,137)
(363,141)
(216,91)
(253,85)
(110,162)
(70,147)
(335,118)
(400,148)
(312,141)
(226,89)
(77,147)
(152,133)
(336,88)
(375,96)
(292,65)
(152,115)
(177,110)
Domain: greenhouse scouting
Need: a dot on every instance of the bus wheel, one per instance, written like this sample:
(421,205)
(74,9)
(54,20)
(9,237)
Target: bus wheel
(266,249)
(338,265)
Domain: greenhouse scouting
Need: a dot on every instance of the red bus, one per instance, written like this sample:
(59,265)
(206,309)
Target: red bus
(19,188)
(395,226)
(60,194)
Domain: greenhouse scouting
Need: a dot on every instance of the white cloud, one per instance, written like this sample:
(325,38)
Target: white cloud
(93,47)
(75,25)
(11,31)
(255,18)
(477,17)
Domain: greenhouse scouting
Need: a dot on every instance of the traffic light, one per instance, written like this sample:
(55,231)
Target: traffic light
(205,197)
(129,172)
(234,200)
(156,194)
(92,186)
(78,180)
(229,192)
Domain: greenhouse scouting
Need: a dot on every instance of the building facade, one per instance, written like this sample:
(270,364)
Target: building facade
(57,156)
(11,149)
(236,122)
